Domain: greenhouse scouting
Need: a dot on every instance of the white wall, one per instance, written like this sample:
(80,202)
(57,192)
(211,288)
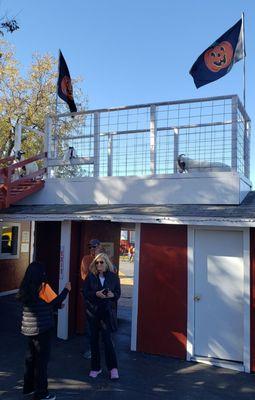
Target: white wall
(193,188)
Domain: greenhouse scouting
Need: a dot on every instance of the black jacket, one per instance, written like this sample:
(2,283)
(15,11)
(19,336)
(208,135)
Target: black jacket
(37,317)
(105,309)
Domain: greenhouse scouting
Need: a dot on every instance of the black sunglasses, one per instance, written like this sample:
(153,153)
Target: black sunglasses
(99,262)
(92,247)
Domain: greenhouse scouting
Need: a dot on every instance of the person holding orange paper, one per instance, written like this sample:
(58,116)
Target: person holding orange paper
(39,302)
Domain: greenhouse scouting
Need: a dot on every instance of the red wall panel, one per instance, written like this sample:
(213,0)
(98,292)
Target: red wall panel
(162,301)
(252,280)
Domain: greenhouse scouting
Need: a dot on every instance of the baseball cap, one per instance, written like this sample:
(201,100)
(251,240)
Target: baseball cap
(94,242)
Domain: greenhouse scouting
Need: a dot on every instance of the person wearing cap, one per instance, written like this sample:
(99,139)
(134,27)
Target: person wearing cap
(95,248)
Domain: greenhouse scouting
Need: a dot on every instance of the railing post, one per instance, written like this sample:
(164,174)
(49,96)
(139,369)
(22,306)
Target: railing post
(109,155)
(153,132)
(47,143)
(234,133)
(17,139)
(7,184)
(96,143)
(246,148)
(176,148)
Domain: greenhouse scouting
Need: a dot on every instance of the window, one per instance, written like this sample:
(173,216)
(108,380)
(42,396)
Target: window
(9,246)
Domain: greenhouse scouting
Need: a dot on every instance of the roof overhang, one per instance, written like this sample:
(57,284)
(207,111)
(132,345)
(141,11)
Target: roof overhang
(176,215)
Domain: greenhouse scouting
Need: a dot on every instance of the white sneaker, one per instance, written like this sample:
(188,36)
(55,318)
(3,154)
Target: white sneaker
(49,397)
(94,374)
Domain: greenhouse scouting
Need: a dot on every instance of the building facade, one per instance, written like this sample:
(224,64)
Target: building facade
(194,219)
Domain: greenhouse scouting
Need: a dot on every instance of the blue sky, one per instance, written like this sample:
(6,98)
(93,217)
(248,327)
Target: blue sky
(136,51)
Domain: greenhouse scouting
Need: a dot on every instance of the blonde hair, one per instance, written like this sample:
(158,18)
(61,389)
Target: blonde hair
(109,265)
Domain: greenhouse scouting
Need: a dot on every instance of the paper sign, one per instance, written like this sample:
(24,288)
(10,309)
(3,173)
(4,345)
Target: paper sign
(24,247)
(25,236)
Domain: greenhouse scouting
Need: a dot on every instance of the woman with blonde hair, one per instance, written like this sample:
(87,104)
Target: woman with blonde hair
(101,292)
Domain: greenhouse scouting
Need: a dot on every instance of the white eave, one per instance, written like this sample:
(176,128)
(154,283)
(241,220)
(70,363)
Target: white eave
(155,219)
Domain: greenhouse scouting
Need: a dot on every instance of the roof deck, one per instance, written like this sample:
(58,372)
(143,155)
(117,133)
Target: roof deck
(178,152)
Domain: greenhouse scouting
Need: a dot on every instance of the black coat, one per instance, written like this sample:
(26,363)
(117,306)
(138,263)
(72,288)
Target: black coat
(37,316)
(97,308)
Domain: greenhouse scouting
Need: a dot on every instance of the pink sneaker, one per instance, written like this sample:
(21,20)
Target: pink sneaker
(114,373)
(94,374)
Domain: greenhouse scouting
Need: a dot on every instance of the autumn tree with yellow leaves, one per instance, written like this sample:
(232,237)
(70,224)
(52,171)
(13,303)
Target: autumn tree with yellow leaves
(27,99)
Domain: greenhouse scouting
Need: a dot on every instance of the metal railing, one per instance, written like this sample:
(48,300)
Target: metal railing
(146,139)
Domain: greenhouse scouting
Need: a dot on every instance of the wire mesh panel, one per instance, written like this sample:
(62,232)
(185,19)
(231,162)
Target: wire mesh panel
(127,136)
(205,134)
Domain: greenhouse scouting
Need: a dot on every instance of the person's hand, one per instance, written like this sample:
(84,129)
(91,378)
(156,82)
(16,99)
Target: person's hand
(100,294)
(110,294)
(68,286)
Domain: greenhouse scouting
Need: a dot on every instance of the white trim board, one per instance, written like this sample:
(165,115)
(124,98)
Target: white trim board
(64,269)
(135,288)
(196,221)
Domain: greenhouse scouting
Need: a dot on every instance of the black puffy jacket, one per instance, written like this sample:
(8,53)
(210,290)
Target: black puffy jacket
(37,317)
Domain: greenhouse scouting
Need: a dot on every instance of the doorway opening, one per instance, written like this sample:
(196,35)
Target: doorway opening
(126,271)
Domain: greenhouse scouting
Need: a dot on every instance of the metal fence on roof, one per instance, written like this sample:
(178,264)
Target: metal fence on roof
(147,139)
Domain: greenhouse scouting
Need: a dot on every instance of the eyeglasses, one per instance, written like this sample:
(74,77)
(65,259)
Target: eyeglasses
(92,247)
(99,262)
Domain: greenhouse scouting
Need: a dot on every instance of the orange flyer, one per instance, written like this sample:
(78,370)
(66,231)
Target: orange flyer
(46,293)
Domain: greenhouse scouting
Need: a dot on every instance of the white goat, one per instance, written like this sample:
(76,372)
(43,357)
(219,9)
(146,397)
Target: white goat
(187,164)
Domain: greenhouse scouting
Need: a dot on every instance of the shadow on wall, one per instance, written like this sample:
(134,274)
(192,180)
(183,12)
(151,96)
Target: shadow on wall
(170,189)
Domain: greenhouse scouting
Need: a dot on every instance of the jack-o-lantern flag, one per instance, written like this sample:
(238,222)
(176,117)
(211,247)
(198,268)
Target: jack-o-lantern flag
(218,59)
(65,88)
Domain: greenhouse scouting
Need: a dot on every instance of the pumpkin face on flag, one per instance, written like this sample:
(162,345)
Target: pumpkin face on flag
(219,56)
(218,59)
(65,88)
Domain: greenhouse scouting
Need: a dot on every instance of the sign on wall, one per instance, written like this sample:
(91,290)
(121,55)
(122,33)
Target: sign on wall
(25,237)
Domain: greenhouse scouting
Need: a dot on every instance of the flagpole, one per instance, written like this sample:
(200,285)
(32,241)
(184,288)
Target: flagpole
(244,78)
(56,109)
(56,112)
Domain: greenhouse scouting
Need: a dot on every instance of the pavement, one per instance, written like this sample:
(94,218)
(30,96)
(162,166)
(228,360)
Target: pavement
(142,376)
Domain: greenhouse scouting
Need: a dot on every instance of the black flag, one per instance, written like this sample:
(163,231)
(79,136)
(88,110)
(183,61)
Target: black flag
(65,88)
(218,59)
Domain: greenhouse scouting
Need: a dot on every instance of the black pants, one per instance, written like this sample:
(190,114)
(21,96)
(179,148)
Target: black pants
(36,363)
(87,335)
(98,326)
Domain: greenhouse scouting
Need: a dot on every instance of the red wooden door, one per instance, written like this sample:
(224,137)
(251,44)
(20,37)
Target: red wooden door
(47,248)
(162,299)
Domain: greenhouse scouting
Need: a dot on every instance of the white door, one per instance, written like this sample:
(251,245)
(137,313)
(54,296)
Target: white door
(218,300)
